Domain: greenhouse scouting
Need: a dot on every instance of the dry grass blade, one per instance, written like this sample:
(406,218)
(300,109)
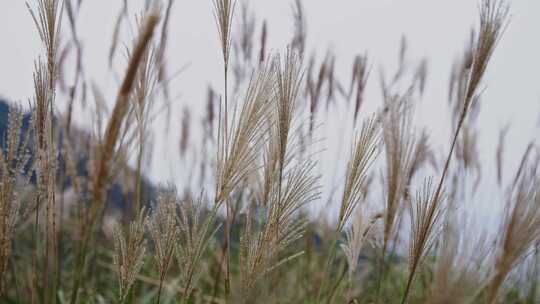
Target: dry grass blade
(106,151)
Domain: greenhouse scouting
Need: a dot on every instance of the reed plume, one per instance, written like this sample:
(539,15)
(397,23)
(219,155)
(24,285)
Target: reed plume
(360,75)
(281,144)
(427,212)
(162,225)
(129,253)
(239,153)
(109,144)
(288,184)
(143,95)
(520,230)
(460,261)
(260,250)
(194,235)
(399,143)
(493,20)
(14,160)
(356,237)
(223,14)
(48,21)
(364,153)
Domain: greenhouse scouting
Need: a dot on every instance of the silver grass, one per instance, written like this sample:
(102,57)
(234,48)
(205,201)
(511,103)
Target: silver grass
(357,236)
(399,145)
(14,157)
(162,225)
(260,251)
(194,234)
(129,254)
(223,14)
(239,152)
(364,151)
(427,211)
(520,230)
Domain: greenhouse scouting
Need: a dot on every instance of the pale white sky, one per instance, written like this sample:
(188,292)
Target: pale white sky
(437,29)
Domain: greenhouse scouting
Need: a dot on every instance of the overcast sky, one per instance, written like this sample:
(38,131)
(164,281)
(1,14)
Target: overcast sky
(437,29)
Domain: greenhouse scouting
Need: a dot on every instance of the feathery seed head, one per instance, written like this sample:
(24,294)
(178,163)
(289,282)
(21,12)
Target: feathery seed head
(399,143)
(289,77)
(364,152)
(493,21)
(163,229)
(356,237)
(239,151)
(223,14)
(129,254)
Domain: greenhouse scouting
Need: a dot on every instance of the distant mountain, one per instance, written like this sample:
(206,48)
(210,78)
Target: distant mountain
(118,197)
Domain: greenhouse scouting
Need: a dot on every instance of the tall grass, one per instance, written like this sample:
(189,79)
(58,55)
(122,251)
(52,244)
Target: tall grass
(248,233)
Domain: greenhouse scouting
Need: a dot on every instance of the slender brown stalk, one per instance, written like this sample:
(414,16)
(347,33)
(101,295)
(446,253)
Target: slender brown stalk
(224,13)
(107,148)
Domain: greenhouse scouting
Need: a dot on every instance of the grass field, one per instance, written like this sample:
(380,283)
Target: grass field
(80,222)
